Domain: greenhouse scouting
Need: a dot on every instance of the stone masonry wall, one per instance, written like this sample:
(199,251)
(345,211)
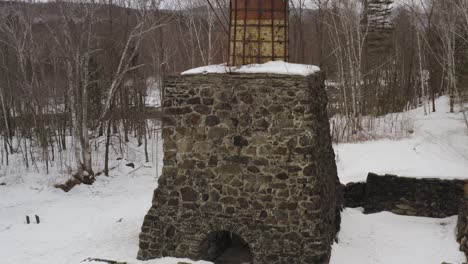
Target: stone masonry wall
(249,154)
(462,224)
(406,196)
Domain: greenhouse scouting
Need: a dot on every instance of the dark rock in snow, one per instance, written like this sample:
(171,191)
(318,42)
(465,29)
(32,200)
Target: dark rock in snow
(103,261)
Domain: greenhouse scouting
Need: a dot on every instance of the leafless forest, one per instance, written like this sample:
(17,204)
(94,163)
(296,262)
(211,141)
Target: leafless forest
(80,69)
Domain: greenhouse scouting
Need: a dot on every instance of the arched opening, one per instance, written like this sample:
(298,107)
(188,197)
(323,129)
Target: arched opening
(224,247)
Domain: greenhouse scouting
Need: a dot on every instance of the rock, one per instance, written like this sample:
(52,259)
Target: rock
(206,92)
(262,124)
(223,106)
(253,169)
(68,185)
(293,168)
(104,260)
(261,162)
(282,176)
(217,133)
(213,160)
(202,109)
(280,151)
(170,231)
(276,108)
(212,121)
(177,110)
(208,101)
(228,200)
(211,207)
(229,169)
(240,141)
(193,119)
(309,170)
(173,202)
(238,159)
(194,101)
(189,194)
(404,207)
(246,97)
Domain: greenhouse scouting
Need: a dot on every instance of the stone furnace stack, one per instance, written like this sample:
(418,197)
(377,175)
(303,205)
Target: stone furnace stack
(248,162)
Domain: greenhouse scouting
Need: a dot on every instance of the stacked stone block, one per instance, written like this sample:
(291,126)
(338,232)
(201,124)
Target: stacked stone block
(427,197)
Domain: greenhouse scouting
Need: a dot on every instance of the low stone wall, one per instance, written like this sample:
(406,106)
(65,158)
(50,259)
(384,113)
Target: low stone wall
(406,196)
(355,194)
(462,225)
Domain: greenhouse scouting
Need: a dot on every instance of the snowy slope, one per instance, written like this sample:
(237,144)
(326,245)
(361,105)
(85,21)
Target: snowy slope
(386,238)
(98,221)
(437,148)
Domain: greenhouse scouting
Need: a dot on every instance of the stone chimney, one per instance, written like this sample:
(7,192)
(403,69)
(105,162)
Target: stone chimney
(249,171)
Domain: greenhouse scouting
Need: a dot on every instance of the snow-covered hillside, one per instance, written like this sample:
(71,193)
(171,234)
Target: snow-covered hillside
(104,220)
(98,221)
(438,147)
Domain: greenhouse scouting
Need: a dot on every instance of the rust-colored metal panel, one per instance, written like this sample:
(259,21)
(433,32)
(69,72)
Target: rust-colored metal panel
(258,31)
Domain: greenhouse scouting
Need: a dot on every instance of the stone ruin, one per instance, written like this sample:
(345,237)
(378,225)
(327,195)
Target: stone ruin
(248,168)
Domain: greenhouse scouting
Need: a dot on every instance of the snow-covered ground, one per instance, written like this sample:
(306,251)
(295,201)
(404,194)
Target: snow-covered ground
(386,238)
(89,221)
(104,220)
(98,221)
(438,147)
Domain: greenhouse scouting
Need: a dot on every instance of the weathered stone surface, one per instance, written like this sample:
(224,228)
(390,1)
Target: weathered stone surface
(177,110)
(189,194)
(355,194)
(249,154)
(462,225)
(202,109)
(406,196)
(217,132)
(194,101)
(240,141)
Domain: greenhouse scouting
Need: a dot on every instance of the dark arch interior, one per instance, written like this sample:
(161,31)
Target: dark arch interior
(224,247)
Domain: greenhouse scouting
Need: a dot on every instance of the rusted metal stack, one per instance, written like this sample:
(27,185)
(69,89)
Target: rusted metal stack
(258,31)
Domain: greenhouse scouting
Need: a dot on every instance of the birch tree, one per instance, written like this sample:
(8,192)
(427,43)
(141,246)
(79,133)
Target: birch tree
(451,29)
(76,39)
(349,37)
